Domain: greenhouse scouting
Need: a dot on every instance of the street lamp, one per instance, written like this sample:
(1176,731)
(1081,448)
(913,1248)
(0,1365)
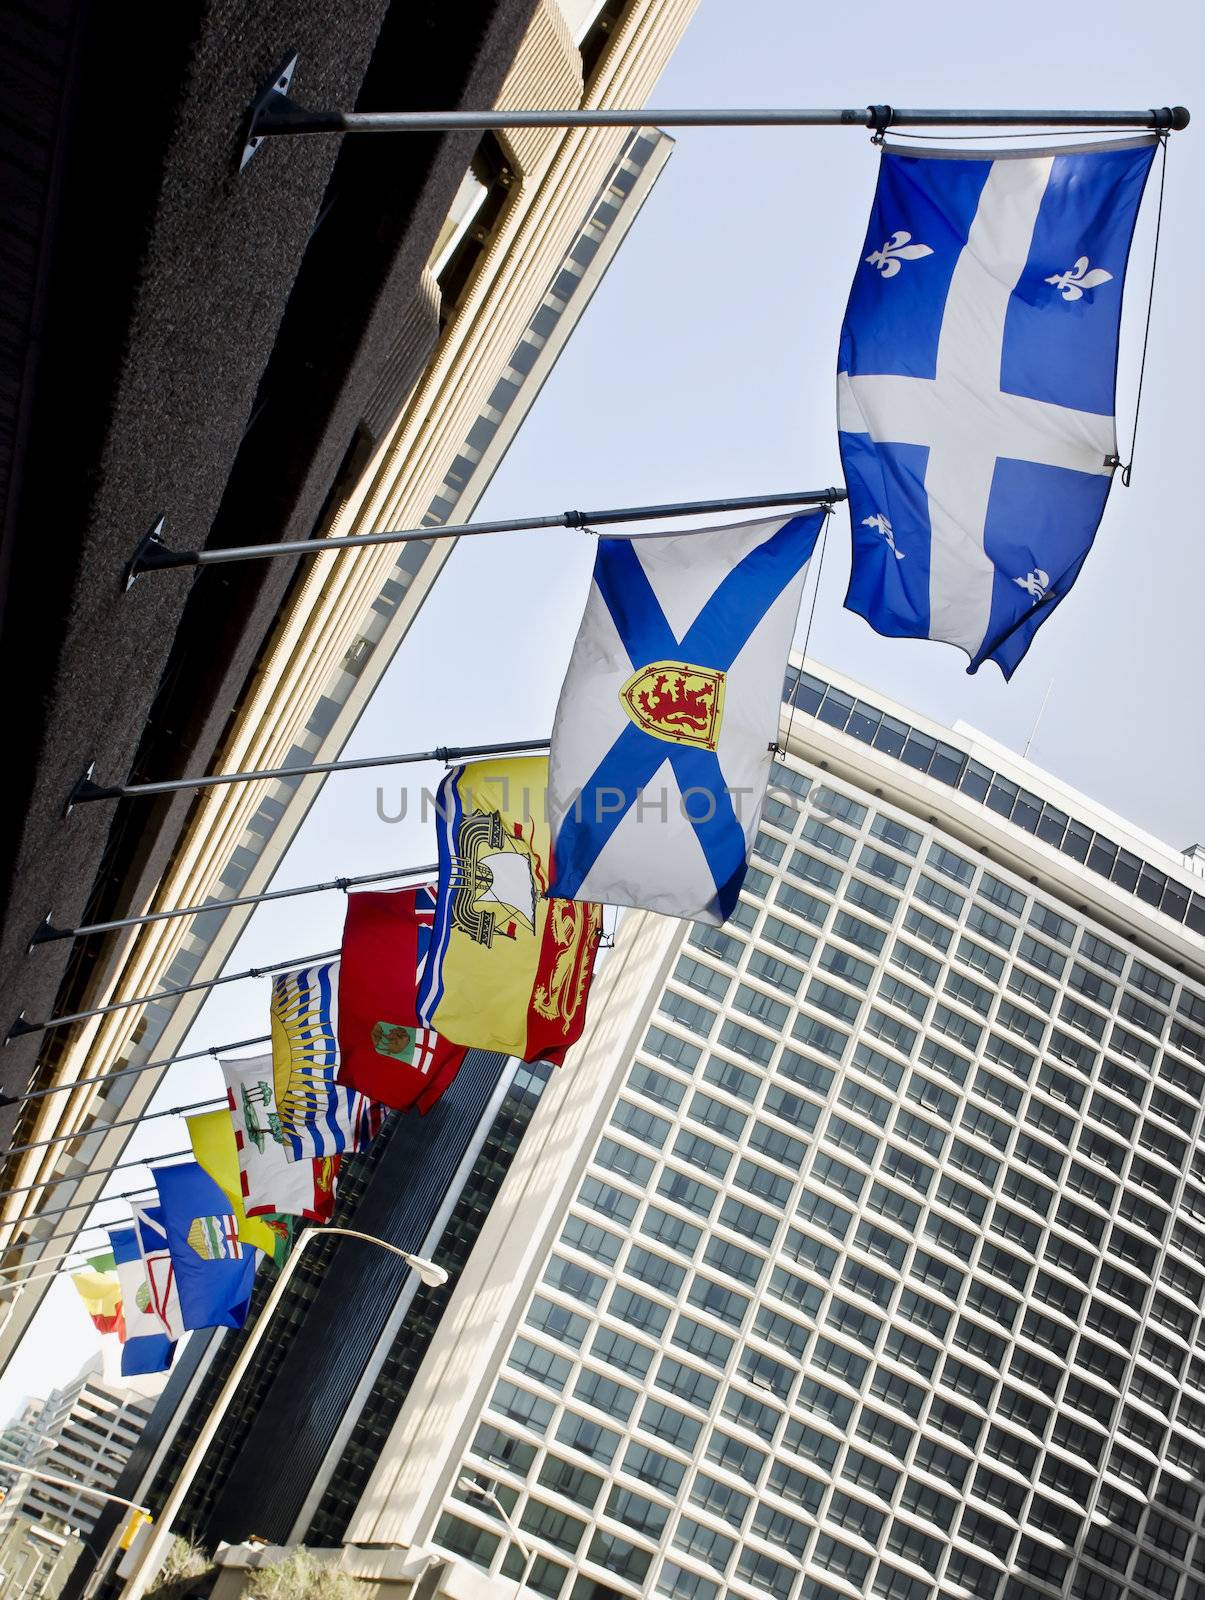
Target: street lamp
(468,1485)
(155,1548)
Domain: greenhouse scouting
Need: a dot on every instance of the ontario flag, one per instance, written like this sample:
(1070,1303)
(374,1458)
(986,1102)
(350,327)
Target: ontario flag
(509,969)
(384,1051)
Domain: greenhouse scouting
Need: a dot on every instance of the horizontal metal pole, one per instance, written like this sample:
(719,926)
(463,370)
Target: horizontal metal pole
(82,1205)
(54,1238)
(154,556)
(20,1027)
(103,1127)
(126,1072)
(86,790)
(281,117)
(119,1166)
(48,933)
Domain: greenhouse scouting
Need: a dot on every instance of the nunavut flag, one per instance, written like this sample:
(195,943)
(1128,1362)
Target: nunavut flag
(384,1052)
(508,970)
(664,731)
(99,1287)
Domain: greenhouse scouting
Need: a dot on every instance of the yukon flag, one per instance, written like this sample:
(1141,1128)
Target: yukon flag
(508,969)
(663,736)
(271,1182)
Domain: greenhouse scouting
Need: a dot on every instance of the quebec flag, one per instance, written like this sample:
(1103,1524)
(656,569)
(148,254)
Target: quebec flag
(669,713)
(975,386)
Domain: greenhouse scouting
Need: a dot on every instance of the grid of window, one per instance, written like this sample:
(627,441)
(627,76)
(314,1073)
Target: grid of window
(915,1218)
(953,766)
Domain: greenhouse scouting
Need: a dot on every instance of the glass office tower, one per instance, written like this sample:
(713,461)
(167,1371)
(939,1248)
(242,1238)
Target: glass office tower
(861,1248)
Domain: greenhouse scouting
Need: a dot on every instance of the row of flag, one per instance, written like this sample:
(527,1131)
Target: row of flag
(976,399)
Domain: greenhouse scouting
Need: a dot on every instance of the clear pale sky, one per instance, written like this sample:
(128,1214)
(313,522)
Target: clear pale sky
(704,366)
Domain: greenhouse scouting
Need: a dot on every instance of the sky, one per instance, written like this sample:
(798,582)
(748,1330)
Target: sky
(704,367)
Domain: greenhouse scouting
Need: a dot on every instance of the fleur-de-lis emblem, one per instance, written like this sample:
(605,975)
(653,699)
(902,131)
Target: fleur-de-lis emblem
(897,250)
(882,525)
(1073,282)
(1034,583)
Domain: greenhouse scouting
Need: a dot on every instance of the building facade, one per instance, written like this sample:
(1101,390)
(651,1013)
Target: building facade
(860,1249)
(535,224)
(85,1432)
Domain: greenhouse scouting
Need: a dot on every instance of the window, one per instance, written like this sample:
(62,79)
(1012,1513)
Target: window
(706,1343)
(786,937)
(772,1142)
(491,1444)
(574,1281)
(708,1544)
(656,1085)
(757,1180)
(952,866)
(895,834)
(687,1192)
(673,1426)
(719,1300)
(511,1401)
(666,1047)
(605,1197)
(771,1576)
(727,1503)
(557,1321)
(863,934)
(606,1394)
(702,1153)
(692,1016)
(744,1460)
(617,1350)
(716,1116)
(627,1163)
(792,1484)
(761,1007)
(698,975)
(574,1482)
(591,1239)
(617,1555)
(696,1388)
(655,1270)
(640,1123)
(671,1231)
(591,1438)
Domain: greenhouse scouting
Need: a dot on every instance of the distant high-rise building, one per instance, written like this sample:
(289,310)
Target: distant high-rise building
(860,1249)
(19,1437)
(85,1432)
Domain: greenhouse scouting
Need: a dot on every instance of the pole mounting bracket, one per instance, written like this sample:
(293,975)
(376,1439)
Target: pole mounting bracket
(153,555)
(269,98)
(46,932)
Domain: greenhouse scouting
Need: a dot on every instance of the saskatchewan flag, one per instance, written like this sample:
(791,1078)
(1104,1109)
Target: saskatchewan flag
(507,968)
(212,1137)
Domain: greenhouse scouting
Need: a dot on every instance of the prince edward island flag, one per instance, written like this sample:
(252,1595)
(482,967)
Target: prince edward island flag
(975,387)
(661,745)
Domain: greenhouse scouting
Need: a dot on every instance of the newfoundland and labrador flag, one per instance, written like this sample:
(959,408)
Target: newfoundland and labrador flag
(151,1234)
(318,1115)
(975,386)
(270,1181)
(383,1049)
(146,1347)
(662,741)
(214,1272)
(508,969)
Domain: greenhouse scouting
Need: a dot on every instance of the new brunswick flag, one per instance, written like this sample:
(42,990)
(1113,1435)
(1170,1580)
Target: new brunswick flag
(508,970)
(383,1050)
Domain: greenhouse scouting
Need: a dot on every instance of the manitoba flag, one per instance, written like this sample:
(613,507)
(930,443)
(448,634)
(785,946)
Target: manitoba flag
(384,1052)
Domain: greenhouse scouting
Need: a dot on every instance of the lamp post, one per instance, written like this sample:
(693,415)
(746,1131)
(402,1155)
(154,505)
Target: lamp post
(467,1486)
(155,1548)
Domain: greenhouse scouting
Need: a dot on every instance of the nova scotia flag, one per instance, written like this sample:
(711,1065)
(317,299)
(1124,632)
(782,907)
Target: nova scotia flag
(975,386)
(662,742)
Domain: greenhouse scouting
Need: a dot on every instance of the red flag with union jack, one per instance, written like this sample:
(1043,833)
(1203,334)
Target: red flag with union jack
(384,1052)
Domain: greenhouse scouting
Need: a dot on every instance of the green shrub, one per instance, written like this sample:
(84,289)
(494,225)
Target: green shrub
(300,1577)
(188,1570)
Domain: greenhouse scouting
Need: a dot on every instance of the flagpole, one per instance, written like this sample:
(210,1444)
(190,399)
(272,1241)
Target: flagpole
(85,790)
(21,1027)
(121,1166)
(152,555)
(272,114)
(214,1050)
(80,1205)
(103,1127)
(153,1551)
(48,933)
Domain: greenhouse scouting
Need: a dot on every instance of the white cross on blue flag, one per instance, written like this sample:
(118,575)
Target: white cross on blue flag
(662,742)
(975,386)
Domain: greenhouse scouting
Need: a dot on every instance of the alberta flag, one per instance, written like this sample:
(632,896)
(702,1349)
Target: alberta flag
(663,735)
(975,386)
(214,1275)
